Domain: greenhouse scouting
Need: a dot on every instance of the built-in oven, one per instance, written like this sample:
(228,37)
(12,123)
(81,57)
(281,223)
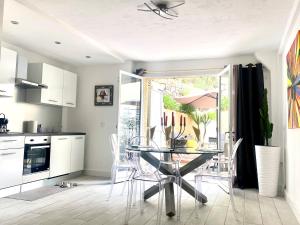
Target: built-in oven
(36,158)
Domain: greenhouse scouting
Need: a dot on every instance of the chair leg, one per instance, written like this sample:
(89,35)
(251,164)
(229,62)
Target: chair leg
(134,191)
(113,180)
(129,200)
(231,196)
(198,184)
(199,189)
(179,192)
(196,195)
(142,190)
(125,182)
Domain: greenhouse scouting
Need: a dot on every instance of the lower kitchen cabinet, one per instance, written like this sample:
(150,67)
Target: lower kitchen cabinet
(66,155)
(11,161)
(60,155)
(77,153)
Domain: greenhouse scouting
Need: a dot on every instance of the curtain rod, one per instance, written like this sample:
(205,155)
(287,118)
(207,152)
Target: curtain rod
(190,70)
(184,70)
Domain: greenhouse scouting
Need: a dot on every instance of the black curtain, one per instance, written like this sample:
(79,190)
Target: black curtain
(249,87)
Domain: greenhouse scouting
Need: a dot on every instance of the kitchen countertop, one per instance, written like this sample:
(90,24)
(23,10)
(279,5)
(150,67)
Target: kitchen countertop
(40,134)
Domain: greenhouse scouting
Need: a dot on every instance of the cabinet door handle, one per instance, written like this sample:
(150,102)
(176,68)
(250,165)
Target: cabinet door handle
(42,146)
(78,137)
(51,100)
(62,138)
(3,91)
(69,103)
(10,153)
(8,140)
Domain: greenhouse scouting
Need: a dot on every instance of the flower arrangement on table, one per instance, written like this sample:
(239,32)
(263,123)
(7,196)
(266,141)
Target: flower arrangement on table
(170,130)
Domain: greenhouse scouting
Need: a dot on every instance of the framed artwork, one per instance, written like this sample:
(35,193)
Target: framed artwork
(104,95)
(293,83)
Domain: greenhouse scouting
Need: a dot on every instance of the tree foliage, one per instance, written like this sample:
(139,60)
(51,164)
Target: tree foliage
(224,103)
(206,82)
(170,103)
(187,109)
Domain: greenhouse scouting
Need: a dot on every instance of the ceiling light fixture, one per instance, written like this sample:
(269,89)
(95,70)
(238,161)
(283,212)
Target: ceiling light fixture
(57,42)
(162,8)
(14,22)
(88,57)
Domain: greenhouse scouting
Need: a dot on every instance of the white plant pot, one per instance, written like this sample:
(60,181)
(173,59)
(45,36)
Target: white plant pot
(268,161)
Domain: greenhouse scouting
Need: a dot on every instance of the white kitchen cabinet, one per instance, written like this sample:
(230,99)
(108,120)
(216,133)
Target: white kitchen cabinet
(69,89)
(11,161)
(60,155)
(77,153)
(50,76)
(8,64)
(66,154)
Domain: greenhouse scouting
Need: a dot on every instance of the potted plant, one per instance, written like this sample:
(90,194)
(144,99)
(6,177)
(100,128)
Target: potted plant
(267,157)
(205,119)
(196,118)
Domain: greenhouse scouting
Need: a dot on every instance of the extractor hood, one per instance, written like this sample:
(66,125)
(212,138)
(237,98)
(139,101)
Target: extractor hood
(21,75)
(28,84)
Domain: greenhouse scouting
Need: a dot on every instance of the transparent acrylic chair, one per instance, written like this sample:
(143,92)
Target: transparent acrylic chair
(145,172)
(118,164)
(227,176)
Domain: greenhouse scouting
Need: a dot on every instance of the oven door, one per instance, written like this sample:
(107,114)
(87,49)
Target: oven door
(36,158)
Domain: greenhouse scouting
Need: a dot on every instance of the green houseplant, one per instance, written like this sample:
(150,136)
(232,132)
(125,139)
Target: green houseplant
(266,125)
(267,157)
(196,118)
(204,119)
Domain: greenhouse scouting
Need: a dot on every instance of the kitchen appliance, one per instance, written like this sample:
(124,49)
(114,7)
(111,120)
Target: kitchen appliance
(36,158)
(31,126)
(21,75)
(3,123)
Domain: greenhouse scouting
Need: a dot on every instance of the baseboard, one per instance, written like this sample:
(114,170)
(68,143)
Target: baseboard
(97,173)
(294,206)
(49,181)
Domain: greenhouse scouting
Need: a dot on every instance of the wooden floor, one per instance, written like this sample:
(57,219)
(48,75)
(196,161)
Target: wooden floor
(87,205)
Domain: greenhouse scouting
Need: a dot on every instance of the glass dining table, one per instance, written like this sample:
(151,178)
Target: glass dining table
(202,155)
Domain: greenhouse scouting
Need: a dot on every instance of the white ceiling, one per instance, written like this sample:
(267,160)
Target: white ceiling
(113,30)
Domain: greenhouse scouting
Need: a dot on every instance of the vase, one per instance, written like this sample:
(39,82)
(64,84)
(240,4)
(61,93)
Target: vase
(267,163)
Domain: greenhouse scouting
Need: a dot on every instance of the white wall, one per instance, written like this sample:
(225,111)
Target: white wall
(17,110)
(97,121)
(291,136)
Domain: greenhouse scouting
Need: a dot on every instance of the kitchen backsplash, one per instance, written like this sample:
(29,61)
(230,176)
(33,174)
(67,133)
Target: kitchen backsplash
(17,111)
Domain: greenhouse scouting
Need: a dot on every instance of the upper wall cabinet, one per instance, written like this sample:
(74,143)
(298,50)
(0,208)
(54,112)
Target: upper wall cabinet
(69,89)
(50,76)
(8,64)
(61,84)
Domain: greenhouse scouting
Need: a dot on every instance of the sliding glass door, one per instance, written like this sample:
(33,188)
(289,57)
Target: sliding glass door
(130,108)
